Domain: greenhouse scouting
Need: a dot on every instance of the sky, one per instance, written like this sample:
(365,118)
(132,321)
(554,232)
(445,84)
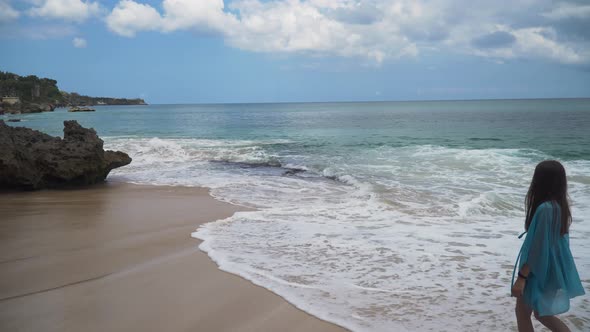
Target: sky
(214,51)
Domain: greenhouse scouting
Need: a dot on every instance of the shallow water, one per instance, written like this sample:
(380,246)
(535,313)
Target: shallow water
(376,216)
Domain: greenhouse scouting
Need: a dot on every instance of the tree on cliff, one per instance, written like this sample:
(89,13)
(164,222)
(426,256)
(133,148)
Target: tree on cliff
(30,88)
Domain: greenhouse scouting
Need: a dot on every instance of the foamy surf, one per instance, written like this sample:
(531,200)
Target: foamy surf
(388,238)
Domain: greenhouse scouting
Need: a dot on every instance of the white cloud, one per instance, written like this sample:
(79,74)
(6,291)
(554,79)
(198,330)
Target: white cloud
(203,14)
(535,42)
(129,17)
(540,42)
(371,29)
(70,10)
(276,26)
(79,42)
(7,13)
(568,10)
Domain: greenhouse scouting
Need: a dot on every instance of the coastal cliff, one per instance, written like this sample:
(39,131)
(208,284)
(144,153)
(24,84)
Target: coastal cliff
(74,99)
(27,94)
(31,94)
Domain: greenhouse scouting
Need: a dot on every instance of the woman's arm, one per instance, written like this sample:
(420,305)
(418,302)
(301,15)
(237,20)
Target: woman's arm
(524,271)
(518,287)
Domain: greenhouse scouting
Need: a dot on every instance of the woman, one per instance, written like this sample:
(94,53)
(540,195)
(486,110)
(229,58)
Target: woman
(547,276)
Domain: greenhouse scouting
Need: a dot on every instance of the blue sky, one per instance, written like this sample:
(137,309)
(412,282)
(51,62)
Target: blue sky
(211,51)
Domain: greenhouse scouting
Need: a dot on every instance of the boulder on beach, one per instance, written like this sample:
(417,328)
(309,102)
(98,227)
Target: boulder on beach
(30,159)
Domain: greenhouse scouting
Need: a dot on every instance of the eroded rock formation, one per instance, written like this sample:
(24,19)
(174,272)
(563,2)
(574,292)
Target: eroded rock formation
(30,159)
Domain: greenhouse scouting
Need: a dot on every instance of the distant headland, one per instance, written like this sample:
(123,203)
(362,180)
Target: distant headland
(31,94)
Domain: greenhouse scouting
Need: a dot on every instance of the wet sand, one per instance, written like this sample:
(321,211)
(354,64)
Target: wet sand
(119,257)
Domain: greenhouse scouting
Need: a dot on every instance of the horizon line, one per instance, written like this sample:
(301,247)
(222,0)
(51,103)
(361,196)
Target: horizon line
(362,101)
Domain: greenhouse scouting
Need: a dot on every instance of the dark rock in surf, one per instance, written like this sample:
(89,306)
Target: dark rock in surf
(30,159)
(293,171)
(80,109)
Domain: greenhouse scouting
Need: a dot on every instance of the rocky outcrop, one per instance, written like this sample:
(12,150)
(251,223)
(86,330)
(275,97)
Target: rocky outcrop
(30,159)
(26,107)
(36,107)
(80,109)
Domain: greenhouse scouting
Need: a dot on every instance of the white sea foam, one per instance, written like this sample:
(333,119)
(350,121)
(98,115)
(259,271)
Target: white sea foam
(411,238)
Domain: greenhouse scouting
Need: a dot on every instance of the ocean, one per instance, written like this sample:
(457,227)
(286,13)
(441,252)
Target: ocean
(376,216)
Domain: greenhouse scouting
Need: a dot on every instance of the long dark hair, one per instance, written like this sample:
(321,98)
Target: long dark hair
(549,184)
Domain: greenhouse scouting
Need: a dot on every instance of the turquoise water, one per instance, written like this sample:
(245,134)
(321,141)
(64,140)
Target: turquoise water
(376,216)
(555,126)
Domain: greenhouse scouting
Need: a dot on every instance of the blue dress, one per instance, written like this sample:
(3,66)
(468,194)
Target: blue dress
(553,278)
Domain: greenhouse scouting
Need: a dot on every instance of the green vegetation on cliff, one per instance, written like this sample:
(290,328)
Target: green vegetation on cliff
(75,99)
(40,94)
(29,88)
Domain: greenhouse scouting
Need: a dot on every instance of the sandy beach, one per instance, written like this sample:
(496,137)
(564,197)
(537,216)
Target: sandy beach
(119,257)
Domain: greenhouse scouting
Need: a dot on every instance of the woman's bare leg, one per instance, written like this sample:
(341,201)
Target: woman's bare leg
(523,316)
(553,323)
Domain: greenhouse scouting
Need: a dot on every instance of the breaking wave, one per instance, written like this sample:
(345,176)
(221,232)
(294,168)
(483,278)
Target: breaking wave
(374,239)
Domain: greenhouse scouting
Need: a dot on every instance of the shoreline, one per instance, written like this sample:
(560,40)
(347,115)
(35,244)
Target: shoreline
(120,256)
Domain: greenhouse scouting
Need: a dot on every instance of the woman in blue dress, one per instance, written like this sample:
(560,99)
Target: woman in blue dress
(547,276)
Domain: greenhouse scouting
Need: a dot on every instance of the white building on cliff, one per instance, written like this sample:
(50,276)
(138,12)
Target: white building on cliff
(10,100)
